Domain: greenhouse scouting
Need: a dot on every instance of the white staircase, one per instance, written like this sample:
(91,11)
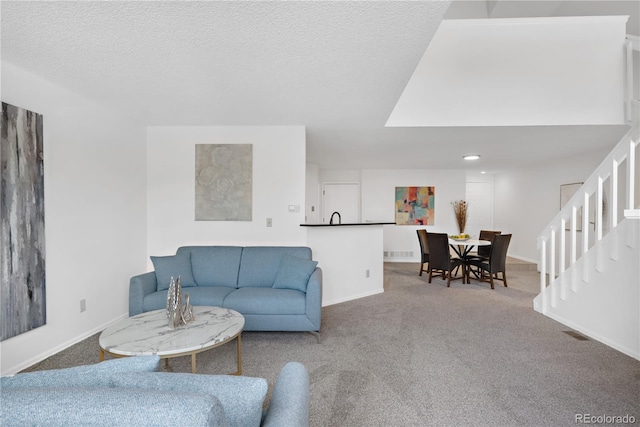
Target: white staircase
(590,254)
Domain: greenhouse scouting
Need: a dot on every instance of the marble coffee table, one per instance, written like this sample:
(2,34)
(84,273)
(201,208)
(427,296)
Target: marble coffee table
(148,333)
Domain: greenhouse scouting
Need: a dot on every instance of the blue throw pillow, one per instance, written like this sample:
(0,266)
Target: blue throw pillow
(95,375)
(173,266)
(294,273)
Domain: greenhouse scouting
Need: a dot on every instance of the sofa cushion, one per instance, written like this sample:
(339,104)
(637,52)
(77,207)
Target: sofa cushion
(214,265)
(241,397)
(260,264)
(294,273)
(82,376)
(266,301)
(108,407)
(208,295)
(198,295)
(173,266)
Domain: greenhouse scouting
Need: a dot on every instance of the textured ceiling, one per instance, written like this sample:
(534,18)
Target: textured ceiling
(336,67)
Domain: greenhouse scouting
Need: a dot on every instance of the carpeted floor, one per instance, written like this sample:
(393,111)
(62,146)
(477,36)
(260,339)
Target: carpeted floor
(424,354)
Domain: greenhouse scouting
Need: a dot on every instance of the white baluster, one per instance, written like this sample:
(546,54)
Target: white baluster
(552,266)
(631,212)
(614,195)
(599,220)
(543,273)
(563,258)
(615,173)
(585,237)
(599,211)
(574,219)
(629,81)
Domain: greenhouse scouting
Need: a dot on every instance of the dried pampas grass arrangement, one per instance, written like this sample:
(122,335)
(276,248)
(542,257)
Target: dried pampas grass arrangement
(460,209)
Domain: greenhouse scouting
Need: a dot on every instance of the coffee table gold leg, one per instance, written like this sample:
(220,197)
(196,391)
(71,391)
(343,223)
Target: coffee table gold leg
(193,363)
(101,355)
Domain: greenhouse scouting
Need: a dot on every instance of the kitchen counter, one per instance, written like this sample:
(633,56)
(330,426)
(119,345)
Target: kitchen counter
(351,258)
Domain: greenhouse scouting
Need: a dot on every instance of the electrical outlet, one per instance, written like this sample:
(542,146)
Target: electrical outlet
(83,305)
(269,222)
(367,274)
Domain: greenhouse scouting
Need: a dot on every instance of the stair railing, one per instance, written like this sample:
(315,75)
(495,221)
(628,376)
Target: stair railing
(552,242)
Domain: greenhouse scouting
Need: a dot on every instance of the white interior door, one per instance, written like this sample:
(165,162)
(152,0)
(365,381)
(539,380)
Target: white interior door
(343,198)
(480,207)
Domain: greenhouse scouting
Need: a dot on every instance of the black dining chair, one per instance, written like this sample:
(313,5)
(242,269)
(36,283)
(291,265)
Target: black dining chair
(440,257)
(424,250)
(497,260)
(484,251)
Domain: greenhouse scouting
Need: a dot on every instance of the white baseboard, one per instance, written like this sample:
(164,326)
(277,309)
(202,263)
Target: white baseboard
(351,298)
(399,259)
(396,259)
(584,331)
(521,258)
(40,357)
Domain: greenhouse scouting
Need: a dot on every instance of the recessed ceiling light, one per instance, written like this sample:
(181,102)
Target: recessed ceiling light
(471,157)
(483,172)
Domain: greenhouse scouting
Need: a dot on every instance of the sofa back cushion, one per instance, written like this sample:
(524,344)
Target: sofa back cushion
(260,264)
(241,397)
(214,265)
(98,374)
(104,406)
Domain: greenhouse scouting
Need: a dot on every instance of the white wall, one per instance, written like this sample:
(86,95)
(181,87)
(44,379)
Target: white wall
(377,188)
(526,200)
(518,72)
(278,181)
(94,162)
(340,175)
(378,199)
(312,194)
(599,295)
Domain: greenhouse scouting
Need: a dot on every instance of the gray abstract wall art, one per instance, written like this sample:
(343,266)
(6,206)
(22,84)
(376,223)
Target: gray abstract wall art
(22,260)
(224,182)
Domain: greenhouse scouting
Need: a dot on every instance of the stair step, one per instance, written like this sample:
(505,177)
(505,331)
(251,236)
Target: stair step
(520,265)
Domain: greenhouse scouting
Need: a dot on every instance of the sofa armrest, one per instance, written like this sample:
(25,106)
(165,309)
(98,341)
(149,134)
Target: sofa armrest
(289,406)
(139,287)
(314,298)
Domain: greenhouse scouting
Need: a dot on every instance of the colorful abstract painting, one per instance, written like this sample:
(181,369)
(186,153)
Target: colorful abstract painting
(224,182)
(415,205)
(22,268)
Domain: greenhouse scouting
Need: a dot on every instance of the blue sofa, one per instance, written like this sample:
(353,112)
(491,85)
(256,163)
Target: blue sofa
(275,288)
(129,392)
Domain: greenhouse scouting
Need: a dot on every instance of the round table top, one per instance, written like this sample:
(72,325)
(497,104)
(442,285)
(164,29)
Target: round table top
(149,333)
(469,242)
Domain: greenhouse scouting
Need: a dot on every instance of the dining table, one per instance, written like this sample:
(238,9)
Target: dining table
(462,248)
